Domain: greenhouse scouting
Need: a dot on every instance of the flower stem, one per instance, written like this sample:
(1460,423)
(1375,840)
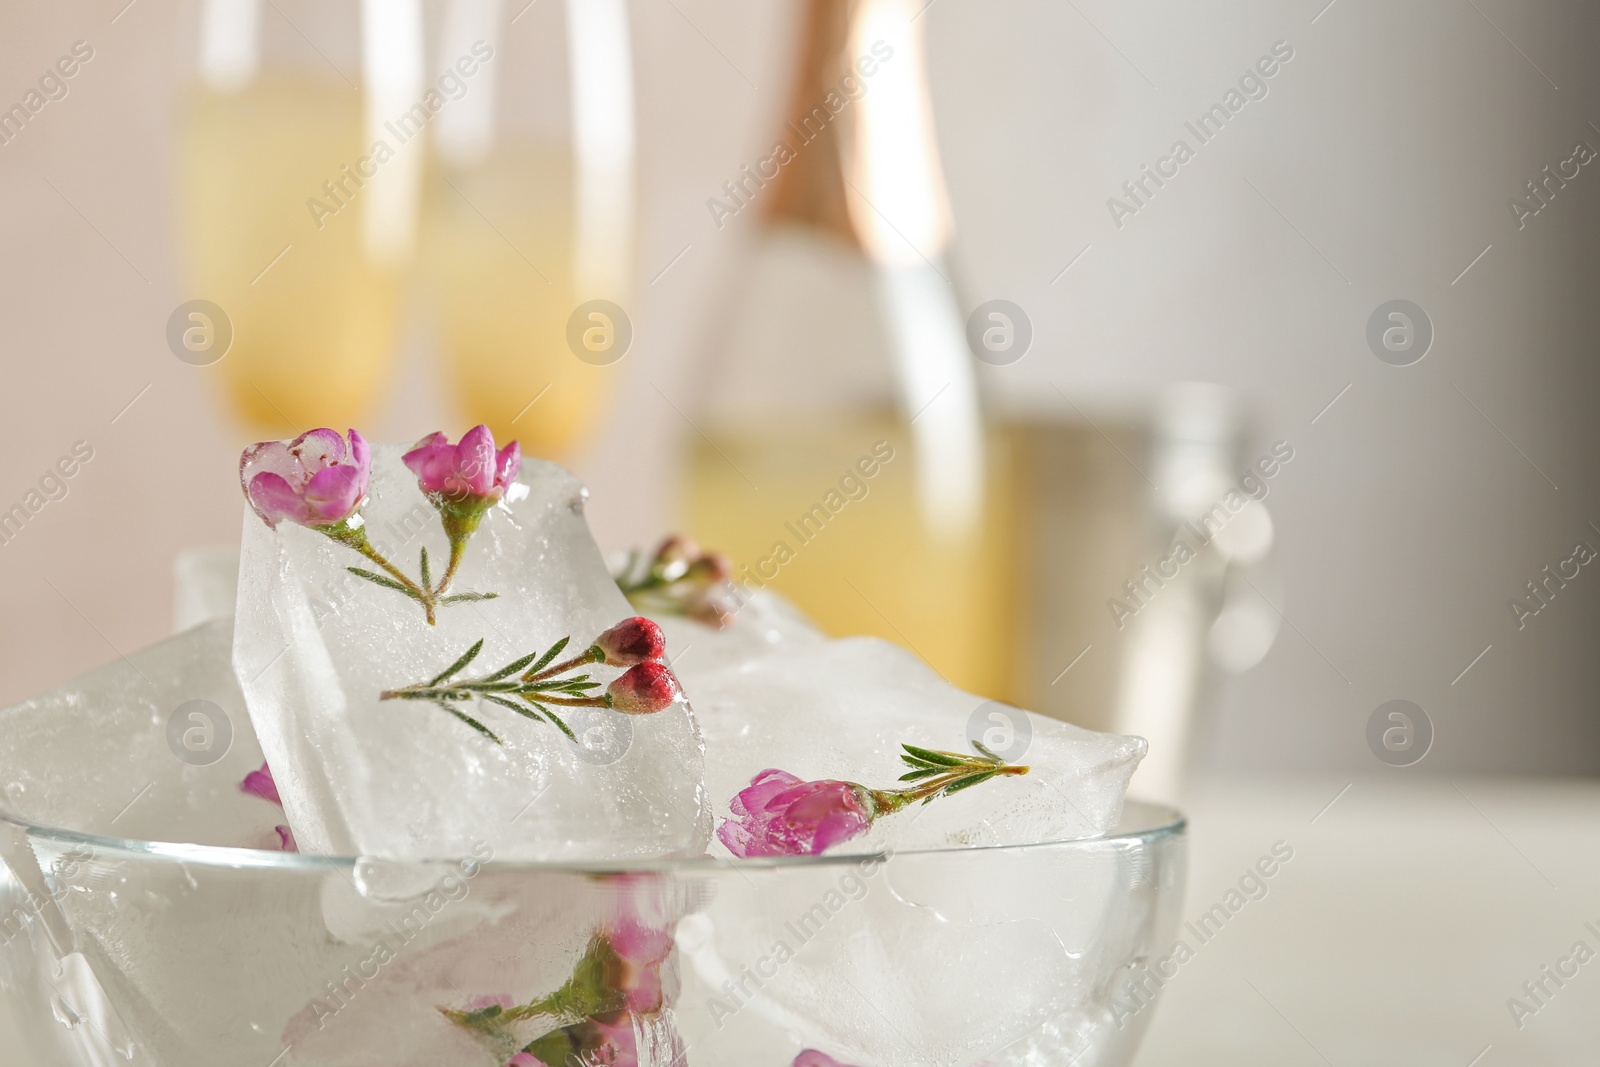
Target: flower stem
(356,538)
(592,654)
(889,800)
(576,702)
(458,551)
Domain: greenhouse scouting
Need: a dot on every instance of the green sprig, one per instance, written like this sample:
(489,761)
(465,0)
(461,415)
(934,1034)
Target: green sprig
(539,686)
(940,774)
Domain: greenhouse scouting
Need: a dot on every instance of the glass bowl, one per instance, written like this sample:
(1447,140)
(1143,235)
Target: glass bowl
(135,952)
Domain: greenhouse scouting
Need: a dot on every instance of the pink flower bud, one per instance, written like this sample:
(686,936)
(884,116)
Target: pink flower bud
(631,641)
(711,568)
(777,814)
(675,555)
(643,689)
(286,839)
(307,481)
(468,473)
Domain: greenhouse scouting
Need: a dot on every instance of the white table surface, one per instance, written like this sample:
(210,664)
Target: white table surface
(1412,910)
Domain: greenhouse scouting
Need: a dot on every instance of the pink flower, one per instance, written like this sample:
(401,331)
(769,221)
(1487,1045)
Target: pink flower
(777,814)
(812,1058)
(468,473)
(631,641)
(641,952)
(307,481)
(260,784)
(643,689)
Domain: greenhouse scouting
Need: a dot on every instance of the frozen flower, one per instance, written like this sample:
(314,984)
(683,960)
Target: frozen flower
(777,814)
(462,481)
(640,951)
(598,1041)
(614,1004)
(313,480)
(259,783)
(464,474)
(679,579)
(643,689)
(646,687)
(812,1058)
(631,641)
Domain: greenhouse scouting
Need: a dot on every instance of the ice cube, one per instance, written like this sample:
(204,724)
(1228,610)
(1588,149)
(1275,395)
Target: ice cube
(924,959)
(835,956)
(770,691)
(316,645)
(205,581)
(152,746)
(764,622)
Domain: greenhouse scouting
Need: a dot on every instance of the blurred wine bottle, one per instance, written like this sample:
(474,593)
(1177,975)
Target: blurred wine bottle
(843,458)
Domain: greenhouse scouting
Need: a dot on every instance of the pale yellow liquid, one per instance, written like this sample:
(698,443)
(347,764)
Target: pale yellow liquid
(498,246)
(874,567)
(313,335)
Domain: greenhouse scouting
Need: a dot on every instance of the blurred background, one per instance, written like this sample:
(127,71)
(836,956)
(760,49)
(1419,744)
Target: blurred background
(779,326)
(926,293)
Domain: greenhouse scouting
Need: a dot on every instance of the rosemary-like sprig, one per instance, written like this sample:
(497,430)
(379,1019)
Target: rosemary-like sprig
(530,693)
(940,774)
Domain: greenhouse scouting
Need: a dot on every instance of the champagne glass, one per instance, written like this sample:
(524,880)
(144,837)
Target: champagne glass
(528,221)
(295,223)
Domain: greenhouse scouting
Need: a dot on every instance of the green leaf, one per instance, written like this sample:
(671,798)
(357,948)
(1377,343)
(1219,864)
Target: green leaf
(489,687)
(918,775)
(457,598)
(581,681)
(378,579)
(967,783)
(466,657)
(546,659)
(527,713)
(470,721)
(925,755)
(563,727)
(427,576)
(990,756)
(510,669)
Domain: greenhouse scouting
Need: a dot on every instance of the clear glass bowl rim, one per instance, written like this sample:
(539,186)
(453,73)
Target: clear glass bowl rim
(1152,824)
